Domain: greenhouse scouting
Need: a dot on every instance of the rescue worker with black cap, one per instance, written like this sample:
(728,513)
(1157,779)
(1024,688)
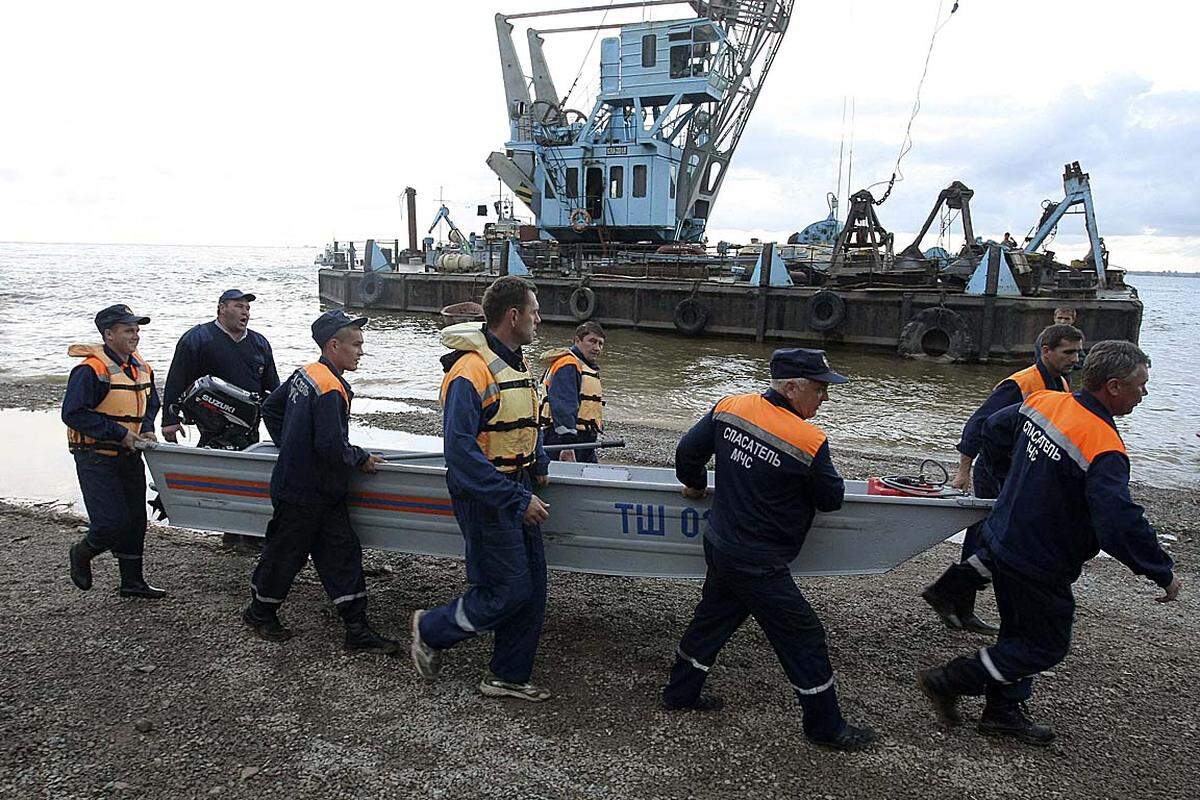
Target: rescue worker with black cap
(494,459)
(109,406)
(573,401)
(773,473)
(953,594)
(1065,496)
(308,419)
(225,348)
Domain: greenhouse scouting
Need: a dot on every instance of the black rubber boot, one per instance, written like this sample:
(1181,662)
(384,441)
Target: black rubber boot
(1012,719)
(943,605)
(133,584)
(80,556)
(361,638)
(965,610)
(265,623)
(852,739)
(935,684)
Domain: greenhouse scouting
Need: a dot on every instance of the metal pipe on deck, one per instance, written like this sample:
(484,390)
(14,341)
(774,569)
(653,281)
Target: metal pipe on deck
(410,198)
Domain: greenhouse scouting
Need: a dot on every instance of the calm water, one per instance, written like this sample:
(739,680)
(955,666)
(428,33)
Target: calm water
(50,292)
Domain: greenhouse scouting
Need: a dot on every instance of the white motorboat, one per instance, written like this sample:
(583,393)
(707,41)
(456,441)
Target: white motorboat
(610,519)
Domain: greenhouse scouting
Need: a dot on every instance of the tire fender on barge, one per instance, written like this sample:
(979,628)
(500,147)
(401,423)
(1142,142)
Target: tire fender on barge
(826,310)
(691,317)
(583,303)
(937,333)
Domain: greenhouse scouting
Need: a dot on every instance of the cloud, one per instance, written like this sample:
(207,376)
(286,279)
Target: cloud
(1137,145)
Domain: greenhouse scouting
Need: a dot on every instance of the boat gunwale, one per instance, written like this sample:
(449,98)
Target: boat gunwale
(253,454)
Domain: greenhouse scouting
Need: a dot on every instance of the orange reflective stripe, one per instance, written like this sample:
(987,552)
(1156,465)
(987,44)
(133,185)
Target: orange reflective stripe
(1070,425)
(767,422)
(1030,380)
(567,358)
(323,378)
(474,368)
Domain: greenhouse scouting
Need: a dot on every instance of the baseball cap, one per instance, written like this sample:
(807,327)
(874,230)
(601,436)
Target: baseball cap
(800,362)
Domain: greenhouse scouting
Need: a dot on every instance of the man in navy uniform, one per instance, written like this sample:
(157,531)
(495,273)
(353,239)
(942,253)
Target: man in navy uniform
(573,404)
(773,473)
(494,459)
(1065,496)
(225,348)
(308,419)
(953,594)
(109,406)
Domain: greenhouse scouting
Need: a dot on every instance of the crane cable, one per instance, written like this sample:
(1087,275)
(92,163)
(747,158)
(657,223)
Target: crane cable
(907,144)
(583,61)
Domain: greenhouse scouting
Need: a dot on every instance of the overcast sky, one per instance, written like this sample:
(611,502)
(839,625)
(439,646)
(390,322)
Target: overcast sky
(291,122)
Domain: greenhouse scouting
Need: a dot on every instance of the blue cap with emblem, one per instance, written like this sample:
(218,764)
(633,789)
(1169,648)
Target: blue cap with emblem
(799,362)
(235,294)
(331,322)
(119,314)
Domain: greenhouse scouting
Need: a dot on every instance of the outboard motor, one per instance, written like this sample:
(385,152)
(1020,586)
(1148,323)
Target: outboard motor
(226,415)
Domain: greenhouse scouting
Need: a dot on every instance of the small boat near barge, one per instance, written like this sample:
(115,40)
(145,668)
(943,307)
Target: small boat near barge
(608,519)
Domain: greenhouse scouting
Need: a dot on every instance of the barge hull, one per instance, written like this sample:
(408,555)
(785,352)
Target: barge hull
(985,328)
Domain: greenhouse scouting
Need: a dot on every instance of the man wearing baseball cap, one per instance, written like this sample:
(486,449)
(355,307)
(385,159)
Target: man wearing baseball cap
(223,347)
(773,474)
(308,418)
(109,406)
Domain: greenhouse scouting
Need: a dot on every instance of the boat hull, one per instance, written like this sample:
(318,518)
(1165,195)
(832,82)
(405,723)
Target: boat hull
(604,519)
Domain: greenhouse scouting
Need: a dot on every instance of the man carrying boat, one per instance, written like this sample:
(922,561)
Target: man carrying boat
(308,419)
(225,348)
(109,406)
(953,594)
(774,472)
(494,459)
(573,401)
(1066,496)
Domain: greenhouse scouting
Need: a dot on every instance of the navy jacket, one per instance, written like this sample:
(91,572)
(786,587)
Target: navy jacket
(309,421)
(1005,394)
(1057,508)
(768,489)
(85,391)
(208,350)
(468,472)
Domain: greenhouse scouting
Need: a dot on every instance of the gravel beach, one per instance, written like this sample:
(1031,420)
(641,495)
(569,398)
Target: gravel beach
(101,696)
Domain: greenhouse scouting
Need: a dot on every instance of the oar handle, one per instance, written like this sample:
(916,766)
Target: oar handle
(554,448)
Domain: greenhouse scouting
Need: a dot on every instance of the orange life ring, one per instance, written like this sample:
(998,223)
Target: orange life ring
(580,220)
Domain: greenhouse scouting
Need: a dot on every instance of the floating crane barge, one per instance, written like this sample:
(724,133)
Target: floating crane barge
(622,195)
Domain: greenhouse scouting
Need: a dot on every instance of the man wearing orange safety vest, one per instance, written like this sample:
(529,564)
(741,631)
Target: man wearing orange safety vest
(109,406)
(952,596)
(308,418)
(773,473)
(573,400)
(494,460)
(1065,497)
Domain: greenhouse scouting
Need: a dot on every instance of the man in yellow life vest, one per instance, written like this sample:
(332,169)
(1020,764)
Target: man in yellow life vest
(952,596)
(573,400)
(494,458)
(109,406)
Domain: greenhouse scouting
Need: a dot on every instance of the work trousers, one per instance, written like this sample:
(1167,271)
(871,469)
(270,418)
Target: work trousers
(734,590)
(506,573)
(971,574)
(114,493)
(298,530)
(581,456)
(1035,635)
